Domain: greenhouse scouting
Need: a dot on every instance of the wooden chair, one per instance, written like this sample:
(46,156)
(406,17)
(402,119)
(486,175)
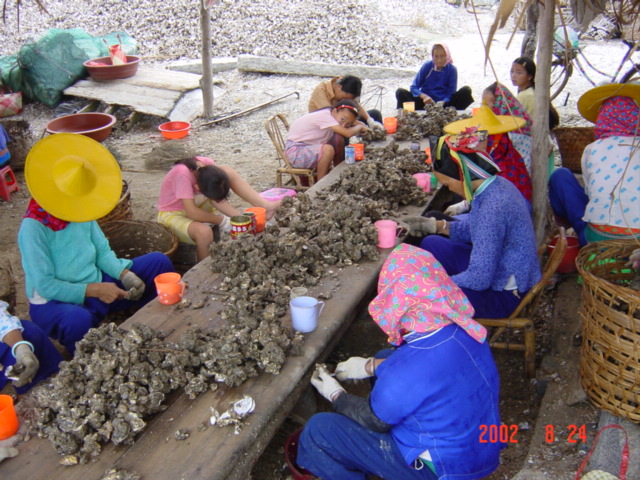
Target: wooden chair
(522,317)
(277,128)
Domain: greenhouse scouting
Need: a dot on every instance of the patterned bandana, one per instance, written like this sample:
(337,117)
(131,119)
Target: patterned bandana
(38,213)
(512,166)
(618,116)
(461,164)
(507,104)
(415,295)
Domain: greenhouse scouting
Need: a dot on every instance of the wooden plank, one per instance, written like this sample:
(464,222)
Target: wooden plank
(151,91)
(215,453)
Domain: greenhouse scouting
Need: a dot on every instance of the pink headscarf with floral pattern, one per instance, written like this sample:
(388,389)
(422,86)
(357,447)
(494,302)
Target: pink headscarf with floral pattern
(415,294)
(617,116)
(507,104)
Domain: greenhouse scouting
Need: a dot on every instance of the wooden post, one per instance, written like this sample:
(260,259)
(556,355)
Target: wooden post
(206,82)
(540,136)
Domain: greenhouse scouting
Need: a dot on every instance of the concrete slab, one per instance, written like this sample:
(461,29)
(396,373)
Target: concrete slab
(608,451)
(218,64)
(252,63)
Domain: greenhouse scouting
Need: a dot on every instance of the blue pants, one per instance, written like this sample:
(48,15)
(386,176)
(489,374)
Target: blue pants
(45,351)
(455,257)
(568,200)
(68,322)
(335,447)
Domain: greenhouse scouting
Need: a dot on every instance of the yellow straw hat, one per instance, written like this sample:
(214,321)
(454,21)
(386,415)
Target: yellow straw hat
(591,100)
(73,177)
(485,119)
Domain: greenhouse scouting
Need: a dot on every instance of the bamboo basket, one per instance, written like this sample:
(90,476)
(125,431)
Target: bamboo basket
(571,142)
(610,311)
(132,238)
(122,210)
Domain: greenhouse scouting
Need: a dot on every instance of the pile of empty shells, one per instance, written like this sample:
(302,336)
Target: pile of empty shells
(118,378)
(419,125)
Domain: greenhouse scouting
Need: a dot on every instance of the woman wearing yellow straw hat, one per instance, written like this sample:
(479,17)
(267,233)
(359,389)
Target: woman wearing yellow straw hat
(499,145)
(73,278)
(490,253)
(607,206)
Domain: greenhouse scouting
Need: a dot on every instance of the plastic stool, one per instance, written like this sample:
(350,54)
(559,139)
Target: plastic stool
(8,183)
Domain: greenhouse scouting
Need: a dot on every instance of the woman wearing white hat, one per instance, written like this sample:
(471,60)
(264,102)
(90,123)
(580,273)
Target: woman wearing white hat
(607,206)
(73,278)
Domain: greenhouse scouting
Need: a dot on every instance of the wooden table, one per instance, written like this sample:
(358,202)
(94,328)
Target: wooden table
(215,453)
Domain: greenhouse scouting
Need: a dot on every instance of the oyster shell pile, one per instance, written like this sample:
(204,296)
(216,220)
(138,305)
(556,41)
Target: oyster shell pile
(418,125)
(321,30)
(373,134)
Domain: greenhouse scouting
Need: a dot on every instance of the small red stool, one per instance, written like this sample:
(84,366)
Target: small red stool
(8,183)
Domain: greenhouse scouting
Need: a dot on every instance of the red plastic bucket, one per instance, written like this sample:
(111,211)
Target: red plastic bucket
(290,455)
(568,263)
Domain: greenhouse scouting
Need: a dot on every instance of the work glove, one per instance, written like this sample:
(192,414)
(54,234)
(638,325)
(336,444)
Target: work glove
(8,452)
(326,385)
(134,285)
(373,124)
(26,363)
(458,208)
(634,259)
(354,368)
(225,224)
(420,226)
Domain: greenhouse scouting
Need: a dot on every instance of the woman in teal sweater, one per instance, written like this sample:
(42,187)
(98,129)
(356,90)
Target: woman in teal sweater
(73,278)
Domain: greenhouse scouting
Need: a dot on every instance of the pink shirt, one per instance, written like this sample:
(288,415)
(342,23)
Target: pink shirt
(178,184)
(313,128)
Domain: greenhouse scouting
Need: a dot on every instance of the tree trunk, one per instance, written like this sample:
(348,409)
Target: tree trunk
(528,48)
(206,82)
(540,137)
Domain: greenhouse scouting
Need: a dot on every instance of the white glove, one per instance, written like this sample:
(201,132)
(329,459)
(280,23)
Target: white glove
(458,208)
(326,385)
(225,224)
(634,259)
(354,368)
(134,285)
(420,226)
(373,124)
(27,362)
(8,453)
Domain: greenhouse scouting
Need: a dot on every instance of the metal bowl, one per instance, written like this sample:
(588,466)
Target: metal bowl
(103,69)
(94,124)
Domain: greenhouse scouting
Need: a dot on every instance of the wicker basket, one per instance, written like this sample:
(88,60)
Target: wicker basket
(571,142)
(122,210)
(610,356)
(132,238)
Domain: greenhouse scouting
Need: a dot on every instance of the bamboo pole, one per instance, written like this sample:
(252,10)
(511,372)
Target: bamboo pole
(540,130)
(206,82)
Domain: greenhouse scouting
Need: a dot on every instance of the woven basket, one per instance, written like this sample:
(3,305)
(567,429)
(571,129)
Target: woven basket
(122,210)
(610,356)
(571,142)
(132,238)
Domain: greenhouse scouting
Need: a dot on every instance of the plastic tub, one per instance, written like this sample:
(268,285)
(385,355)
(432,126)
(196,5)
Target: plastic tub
(173,130)
(568,263)
(8,419)
(103,69)
(94,125)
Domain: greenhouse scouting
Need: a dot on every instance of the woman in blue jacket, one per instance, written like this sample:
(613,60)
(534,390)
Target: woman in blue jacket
(433,397)
(437,81)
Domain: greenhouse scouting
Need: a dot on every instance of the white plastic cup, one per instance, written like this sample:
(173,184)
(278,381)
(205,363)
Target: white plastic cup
(304,313)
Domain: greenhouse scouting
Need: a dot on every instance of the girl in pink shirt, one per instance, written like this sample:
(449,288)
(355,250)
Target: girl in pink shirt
(308,142)
(193,190)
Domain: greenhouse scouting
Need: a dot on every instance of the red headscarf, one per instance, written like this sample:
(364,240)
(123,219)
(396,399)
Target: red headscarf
(35,211)
(507,104)
(618,116)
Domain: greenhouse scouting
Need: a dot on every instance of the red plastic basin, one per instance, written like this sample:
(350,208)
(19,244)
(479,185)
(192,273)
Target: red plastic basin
(175,129)
(93,124)
(103,69)
(568,263)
